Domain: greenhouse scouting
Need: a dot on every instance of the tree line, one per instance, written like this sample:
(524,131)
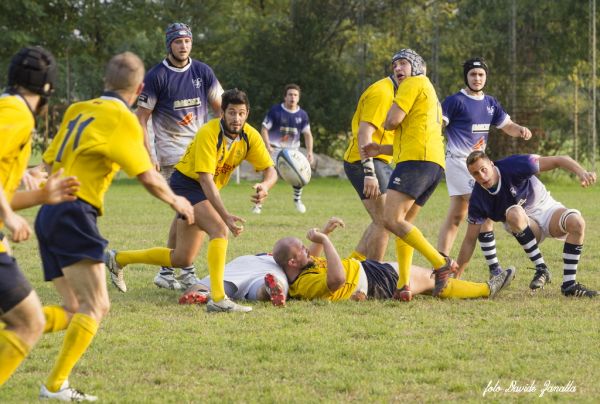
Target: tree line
(538,53)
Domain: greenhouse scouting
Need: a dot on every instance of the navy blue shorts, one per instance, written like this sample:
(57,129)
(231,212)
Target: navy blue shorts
(382,278)
(67,233)
(14,287)
(417,179)
(187,187)
(356,175)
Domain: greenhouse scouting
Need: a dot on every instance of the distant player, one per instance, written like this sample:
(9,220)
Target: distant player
(177,95)
(468,116)
(508,191)
(31,79)
(281,129)
(95,139)
(218,148)
(369,175)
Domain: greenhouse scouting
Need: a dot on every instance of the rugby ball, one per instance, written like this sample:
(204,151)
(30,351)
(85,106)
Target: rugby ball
(293,167)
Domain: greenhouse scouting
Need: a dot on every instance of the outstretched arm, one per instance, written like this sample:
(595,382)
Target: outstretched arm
(586,178)
(55,191)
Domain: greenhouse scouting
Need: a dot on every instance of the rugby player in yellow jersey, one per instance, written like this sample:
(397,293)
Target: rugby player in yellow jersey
(368,175)
(332,278)
(218,148)
(418,152)
(95,139)
(31,77)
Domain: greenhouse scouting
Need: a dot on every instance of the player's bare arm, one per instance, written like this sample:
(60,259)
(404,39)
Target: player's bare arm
(365,136)
(375,149)
(308,143)
(336,276)
(207,183)
(467,247)
(157,186)
(57,189)
(144,115)
(515,130)
(394,117)
(262,188)
(548,163)
(264,133)
(17,225)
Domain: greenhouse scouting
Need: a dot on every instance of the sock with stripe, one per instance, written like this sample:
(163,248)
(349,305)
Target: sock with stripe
(487,242)
(571,255)
(527,240)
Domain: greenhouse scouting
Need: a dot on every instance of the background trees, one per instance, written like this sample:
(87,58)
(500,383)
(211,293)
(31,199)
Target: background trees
(538,53)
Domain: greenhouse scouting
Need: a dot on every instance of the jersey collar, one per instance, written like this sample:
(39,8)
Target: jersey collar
(498,186)
(473,97)
(111,95)
(169,66)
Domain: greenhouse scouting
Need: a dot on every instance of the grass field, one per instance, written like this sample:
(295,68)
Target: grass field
(150,349)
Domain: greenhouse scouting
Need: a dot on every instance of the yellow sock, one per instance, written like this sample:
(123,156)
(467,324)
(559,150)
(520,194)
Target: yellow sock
(460,289)
(357,256)
(12,352)
(404,254)
(78,337)
(416,239)
(57,318)
(160,256)
(216,255)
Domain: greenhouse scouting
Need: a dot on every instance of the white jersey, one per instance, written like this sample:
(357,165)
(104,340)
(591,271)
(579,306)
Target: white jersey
(245,270)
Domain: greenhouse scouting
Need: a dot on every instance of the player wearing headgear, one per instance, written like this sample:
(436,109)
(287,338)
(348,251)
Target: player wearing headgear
(281,129)
(96,138)
(31,78)
(468,116)
(368,175)
(177,94)
(508,191)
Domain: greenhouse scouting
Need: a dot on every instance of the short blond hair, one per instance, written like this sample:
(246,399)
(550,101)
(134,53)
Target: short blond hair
(124,72)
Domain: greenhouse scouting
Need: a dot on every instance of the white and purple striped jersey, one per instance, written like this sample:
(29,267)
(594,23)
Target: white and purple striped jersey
(517,185)
(285,126)
(468,119)
(179,99)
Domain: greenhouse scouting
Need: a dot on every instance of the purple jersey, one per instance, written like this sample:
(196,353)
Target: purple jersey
(179,99)
(285,126)
(518,185)
(468,121)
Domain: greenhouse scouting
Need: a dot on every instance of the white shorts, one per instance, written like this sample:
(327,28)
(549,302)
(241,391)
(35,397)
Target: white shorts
(458,179)
(541,215)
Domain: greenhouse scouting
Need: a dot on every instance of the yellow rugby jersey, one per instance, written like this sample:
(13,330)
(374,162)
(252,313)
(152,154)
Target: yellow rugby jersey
(96,138)
(312,282)
(212,152)
(16,127)
(419,136)
(372,107)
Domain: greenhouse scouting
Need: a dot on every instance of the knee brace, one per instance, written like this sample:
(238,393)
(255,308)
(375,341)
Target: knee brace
(562,222)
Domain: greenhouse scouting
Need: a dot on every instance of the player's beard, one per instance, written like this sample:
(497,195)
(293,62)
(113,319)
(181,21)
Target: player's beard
(179,59)
(230,131)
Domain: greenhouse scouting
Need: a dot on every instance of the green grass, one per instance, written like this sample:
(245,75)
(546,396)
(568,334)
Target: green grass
(150,349)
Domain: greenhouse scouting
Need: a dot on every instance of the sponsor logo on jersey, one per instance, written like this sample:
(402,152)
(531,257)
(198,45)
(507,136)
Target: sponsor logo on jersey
(490,109)
(298,120)
(482,128)
(197,82)
(190,102)
(226,168)
(187,119)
